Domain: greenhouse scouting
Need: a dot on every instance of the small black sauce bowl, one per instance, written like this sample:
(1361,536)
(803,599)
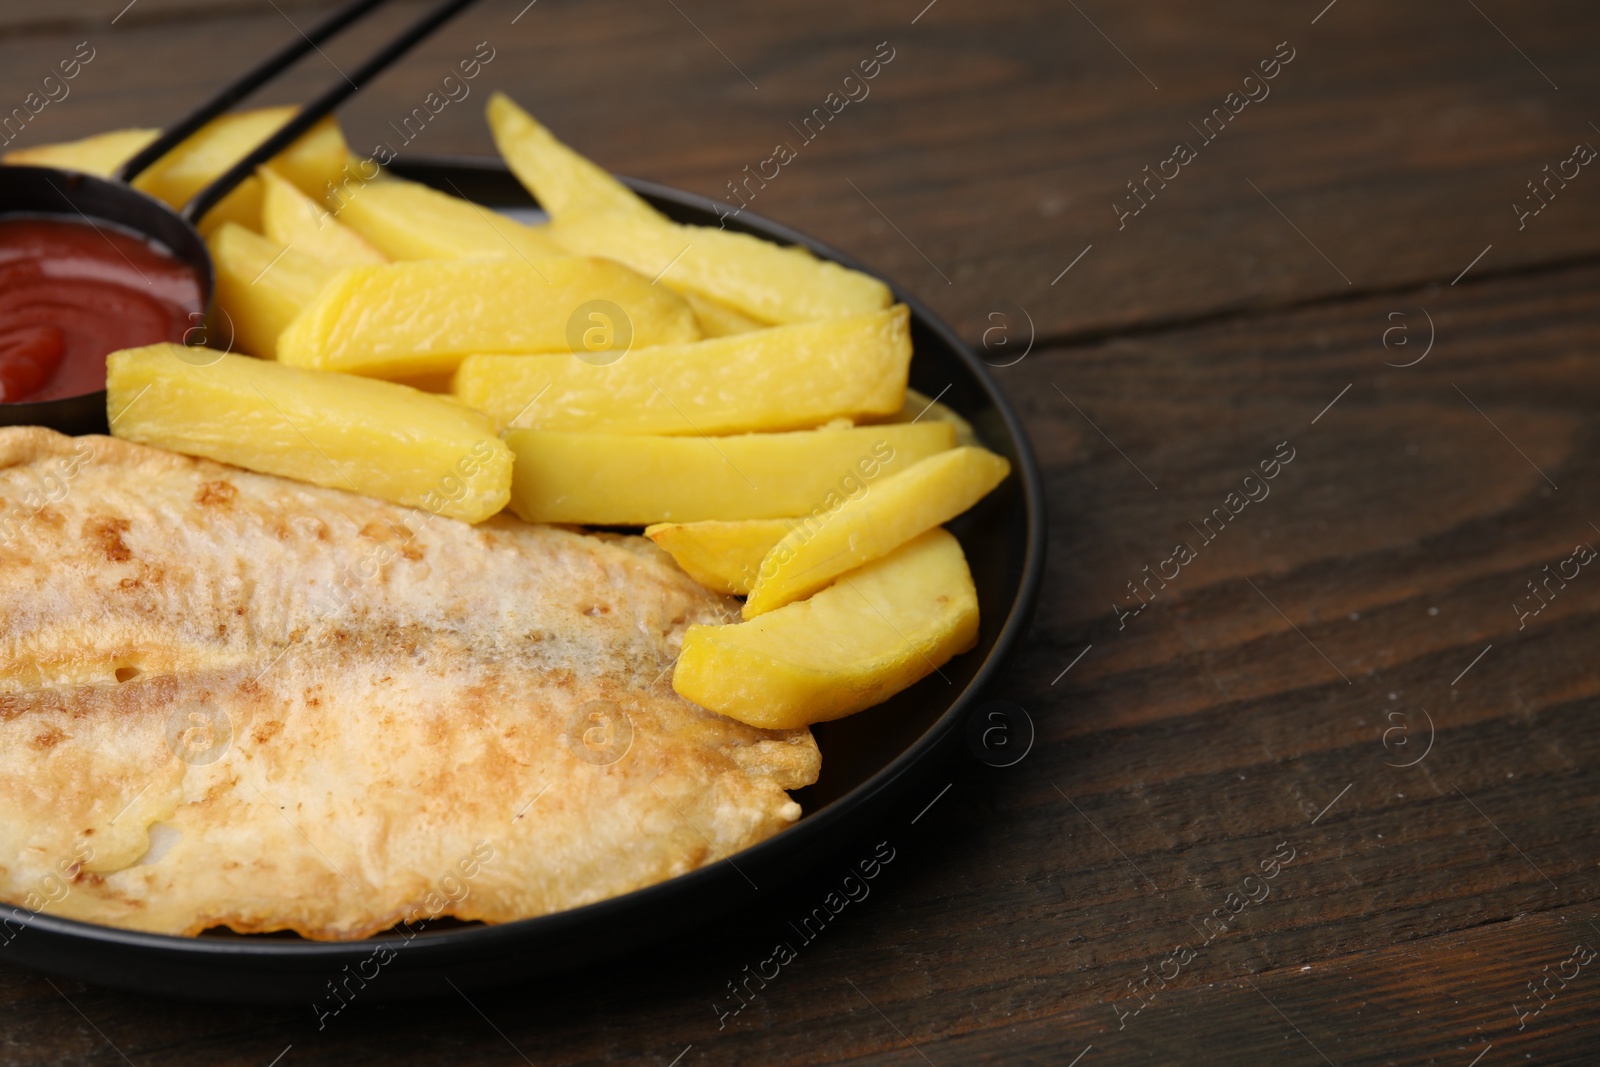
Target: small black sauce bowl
(48,193)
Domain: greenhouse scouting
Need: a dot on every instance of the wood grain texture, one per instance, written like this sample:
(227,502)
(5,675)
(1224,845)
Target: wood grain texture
(991,149)
(23,18)
(1269,696)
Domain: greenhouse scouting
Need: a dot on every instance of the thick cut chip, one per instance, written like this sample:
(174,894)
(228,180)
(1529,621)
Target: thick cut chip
(596,215)
(408,220)
(233,700)
(871,634)
(314,160)
(563,181)
(357,174)
(890,513)
(294,220)
(420,317)
(378,438)
(99,155)
(767,282)
(782,378)
(261,287)
(718,319)
(920,406)
(722,556)
(636,480)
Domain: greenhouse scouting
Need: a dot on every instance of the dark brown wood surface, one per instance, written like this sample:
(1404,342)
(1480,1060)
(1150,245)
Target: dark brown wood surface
(1341,675)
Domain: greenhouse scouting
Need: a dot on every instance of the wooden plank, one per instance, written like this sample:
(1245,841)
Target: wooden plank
(20,18)
(992,147)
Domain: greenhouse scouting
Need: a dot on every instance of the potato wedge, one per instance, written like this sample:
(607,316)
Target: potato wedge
(99,155)
(783,378)
(767,282)
(294,220)
(635,480)
(422,317)
(357,173)
(311,163)
(334,430)
(316,159)
(891,512)
(408,220)
(261,287)
(722,556)
(874,632)
(561,180)
(728,556)
(718,319)
(920,406)
(596,215)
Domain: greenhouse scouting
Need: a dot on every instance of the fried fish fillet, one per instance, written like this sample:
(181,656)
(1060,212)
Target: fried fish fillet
(228,699)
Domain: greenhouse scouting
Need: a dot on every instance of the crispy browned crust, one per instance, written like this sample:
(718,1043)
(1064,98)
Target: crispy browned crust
(228,699)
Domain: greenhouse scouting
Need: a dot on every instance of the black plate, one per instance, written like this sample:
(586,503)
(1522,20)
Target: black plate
(869,760)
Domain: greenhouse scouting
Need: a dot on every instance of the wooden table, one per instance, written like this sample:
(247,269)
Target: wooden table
(1329,796)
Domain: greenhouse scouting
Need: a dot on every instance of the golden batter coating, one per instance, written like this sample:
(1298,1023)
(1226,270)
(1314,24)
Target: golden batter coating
(229,699)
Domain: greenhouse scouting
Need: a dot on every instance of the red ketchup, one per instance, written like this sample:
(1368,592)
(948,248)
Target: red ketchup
(71,293)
